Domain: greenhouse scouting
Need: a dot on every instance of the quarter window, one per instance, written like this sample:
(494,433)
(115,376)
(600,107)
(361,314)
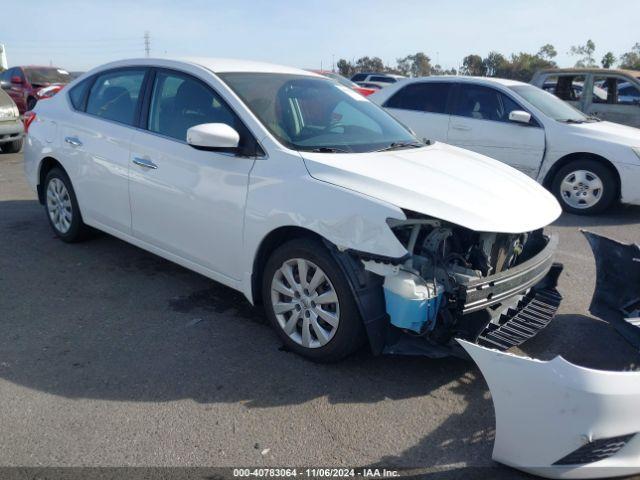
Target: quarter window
(114,95)
(424,97)
(484,103)
(179,102)
(615,91)
(77,94)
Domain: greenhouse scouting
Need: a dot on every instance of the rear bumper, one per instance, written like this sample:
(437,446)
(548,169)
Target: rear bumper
(11,131)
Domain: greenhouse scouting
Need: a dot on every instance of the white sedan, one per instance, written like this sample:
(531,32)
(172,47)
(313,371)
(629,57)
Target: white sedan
(588,164)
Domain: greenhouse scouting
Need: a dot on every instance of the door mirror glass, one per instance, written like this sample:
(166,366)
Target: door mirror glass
(520,116)
(213,136)
(16,79)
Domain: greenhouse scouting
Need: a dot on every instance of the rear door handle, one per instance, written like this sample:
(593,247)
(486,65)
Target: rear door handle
(463,128)
(144,162)
(73,141)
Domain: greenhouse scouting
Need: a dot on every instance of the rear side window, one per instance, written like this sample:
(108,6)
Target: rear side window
(77,94)
(114,95)
(424,97)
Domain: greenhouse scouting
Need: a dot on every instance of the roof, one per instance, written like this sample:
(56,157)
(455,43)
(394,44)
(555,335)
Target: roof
(463,78)
(631,73)
(215,65)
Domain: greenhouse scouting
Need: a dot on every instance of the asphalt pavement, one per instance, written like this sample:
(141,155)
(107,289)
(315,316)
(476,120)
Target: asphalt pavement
(111,356)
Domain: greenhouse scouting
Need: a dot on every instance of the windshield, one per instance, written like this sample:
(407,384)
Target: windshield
(549,104)
(317,114)
(43,75)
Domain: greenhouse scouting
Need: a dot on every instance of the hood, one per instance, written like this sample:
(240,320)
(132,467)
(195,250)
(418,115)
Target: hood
(445,182)
(608,131)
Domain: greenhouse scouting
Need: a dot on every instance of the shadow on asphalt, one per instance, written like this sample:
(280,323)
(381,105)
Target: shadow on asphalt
(103,319)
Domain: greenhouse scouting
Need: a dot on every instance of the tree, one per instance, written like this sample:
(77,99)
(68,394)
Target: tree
(585,52)
(438,70)
(631,60)
(366,64)
(473,65)
(346,68)
(418,65)
(608,60)
(495,65)
(548,52)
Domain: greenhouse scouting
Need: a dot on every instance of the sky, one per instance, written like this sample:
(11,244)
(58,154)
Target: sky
(79,35)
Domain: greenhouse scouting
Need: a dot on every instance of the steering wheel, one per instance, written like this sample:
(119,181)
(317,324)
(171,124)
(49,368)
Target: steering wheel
(331,126)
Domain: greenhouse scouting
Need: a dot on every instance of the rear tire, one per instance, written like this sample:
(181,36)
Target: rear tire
(301,280)
(585,187)
(61,207)
(11,147)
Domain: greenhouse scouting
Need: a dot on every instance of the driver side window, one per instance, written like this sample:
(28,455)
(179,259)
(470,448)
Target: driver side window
(484,103)
(179,102)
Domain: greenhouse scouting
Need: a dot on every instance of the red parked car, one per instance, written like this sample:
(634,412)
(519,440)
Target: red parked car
(26,85)
(346,82)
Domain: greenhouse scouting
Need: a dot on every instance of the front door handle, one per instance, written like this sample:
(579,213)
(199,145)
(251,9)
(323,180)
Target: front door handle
(144,162)
(73,141)
(462,128)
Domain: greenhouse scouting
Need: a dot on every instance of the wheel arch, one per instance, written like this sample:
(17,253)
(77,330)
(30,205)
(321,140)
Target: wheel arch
(562,161)
(268,245)
(45,166)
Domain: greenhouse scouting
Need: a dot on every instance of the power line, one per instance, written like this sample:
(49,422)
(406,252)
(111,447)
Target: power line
(147,43)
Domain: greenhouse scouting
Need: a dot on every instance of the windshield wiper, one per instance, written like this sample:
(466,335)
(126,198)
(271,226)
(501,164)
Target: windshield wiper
(401,145)
(594,119)
(328,150)
(572,120)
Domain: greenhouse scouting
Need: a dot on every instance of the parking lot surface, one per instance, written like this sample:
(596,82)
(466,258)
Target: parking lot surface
(110,355)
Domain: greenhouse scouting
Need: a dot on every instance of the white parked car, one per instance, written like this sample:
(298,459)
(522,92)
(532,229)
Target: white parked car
(301,194)
(588,164)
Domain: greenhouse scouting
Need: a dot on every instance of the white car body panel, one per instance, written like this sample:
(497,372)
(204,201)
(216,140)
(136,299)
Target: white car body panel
(444,182)
(534,151)
(545,410)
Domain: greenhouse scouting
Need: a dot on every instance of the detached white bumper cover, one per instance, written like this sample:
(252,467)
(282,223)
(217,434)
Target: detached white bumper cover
(559,420)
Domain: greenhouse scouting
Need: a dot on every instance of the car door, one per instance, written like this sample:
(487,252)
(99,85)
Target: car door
(480,122)
(616,99)
(96,141)
(188,202)
(422,106)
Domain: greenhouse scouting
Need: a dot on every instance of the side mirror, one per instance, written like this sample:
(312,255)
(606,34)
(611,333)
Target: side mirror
(217,137)
(16,80)
(520,116)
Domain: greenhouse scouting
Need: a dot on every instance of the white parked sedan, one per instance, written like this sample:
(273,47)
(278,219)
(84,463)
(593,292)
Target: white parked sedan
(303,195)
(588,164)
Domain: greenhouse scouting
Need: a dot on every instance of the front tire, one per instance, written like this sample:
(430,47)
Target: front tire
(309,302)
(585,187)
(62,208)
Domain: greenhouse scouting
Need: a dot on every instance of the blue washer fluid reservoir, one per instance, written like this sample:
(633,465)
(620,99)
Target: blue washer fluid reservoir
(412,303)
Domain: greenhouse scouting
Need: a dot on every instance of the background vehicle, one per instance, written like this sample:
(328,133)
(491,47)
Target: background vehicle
(372,78)
(24,83)
(11,127)
(303,195)
(588,164)
(346,82)
(612,95)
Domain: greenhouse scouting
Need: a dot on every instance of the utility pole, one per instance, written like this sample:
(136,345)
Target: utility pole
(147,43)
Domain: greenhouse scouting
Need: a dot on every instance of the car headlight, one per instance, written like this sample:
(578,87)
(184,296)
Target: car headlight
(636,151)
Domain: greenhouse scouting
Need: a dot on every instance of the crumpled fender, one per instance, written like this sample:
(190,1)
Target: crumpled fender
(559,420)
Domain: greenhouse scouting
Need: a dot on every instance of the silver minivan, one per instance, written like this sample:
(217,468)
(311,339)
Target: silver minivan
(612,95)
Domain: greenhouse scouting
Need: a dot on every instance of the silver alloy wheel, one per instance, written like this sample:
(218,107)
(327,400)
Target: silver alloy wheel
(581,189)
(59,205)
(305,303)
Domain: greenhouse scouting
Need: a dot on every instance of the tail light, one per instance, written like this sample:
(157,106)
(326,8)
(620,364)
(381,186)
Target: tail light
(28,119)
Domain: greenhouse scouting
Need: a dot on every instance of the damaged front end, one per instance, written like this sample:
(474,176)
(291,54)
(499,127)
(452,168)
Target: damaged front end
(494,289)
